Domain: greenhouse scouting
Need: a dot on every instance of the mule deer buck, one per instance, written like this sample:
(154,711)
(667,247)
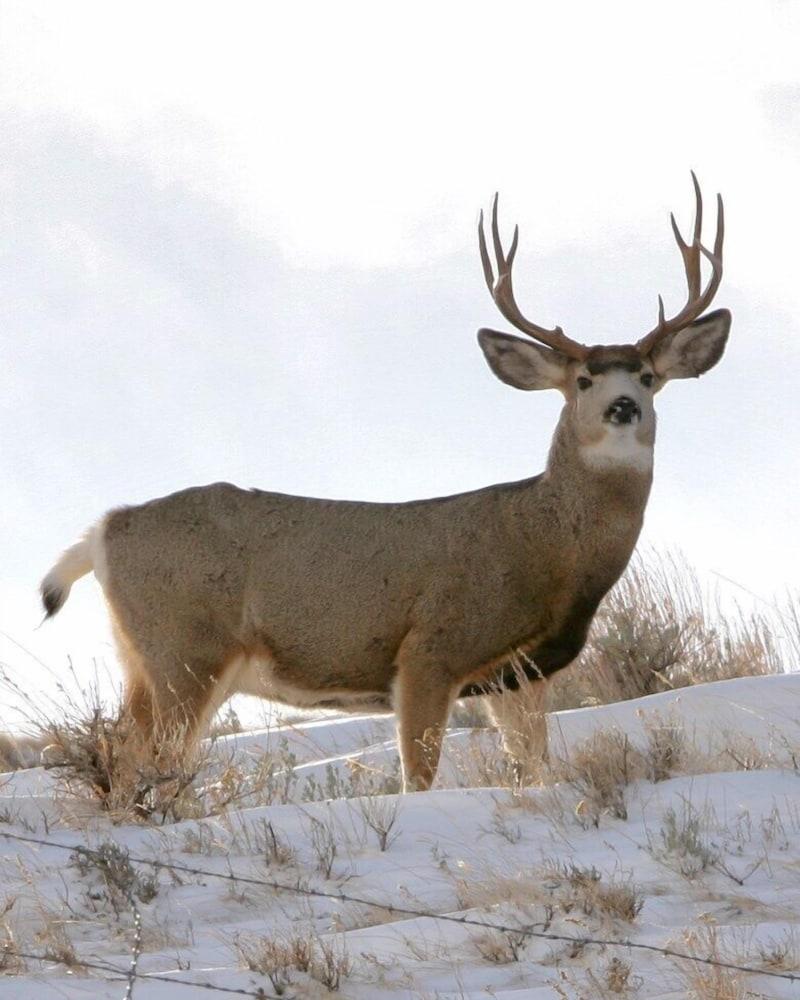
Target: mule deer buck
(402,606)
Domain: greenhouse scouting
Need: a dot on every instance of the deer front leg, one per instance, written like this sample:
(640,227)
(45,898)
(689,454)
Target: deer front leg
(423,695)
(520,717)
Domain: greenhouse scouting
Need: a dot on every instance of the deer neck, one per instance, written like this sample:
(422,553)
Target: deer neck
(584,517)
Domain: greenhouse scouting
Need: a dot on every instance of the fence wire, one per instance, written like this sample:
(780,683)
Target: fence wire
(132,974)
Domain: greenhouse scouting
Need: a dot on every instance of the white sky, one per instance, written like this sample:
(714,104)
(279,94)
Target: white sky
(239,243)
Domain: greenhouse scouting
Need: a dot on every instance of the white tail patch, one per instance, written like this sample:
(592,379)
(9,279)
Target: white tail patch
(78,560)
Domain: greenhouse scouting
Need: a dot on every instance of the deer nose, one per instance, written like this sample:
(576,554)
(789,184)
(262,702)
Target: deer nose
(623,410)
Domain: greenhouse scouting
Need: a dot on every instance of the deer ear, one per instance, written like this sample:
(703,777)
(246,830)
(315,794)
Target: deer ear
(522,363)
(691,351)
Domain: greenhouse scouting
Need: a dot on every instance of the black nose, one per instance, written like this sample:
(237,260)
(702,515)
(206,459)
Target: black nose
(623,410)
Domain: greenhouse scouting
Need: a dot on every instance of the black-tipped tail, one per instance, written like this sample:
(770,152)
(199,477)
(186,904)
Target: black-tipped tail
(72,565)
(53,599)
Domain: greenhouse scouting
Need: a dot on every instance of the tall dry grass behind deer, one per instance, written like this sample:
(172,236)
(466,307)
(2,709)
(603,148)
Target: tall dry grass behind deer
(403,606)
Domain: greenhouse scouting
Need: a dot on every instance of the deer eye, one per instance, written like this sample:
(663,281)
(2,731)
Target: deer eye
(647,379)
(584,382)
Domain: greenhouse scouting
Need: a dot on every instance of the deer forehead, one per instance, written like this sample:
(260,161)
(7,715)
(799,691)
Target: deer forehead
(602,360)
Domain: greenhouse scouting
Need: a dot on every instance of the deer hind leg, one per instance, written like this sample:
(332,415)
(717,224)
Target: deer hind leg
(185,694)
(520,717)
(137,702)
(172,694)
(423,696)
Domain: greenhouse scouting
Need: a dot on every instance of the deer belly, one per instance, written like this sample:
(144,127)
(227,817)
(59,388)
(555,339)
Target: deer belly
(261,676)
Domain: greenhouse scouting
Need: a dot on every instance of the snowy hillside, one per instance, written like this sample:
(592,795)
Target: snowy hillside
(676,826)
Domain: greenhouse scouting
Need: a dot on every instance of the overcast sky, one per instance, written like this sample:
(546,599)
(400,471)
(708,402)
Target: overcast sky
(239,244)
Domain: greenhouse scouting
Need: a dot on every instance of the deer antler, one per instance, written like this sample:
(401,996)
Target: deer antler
(503,294)
(697,302)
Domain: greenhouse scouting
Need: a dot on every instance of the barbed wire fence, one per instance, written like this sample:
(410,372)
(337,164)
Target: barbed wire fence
(132,975)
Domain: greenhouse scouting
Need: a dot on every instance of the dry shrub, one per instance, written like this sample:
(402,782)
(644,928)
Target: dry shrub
(600,769)
(101,758)
(273,848)
(617,976)
(119,881)
(501,947)
(657,630)
(779,955)
(379,814)
(280,959)
(614,980)
(682,844)
(574,888)
(489,887)
(274,958)
(479,763)
(264,778)
(667,750)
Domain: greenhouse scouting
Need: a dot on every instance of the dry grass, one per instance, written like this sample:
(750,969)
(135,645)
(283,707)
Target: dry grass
(18,752)
(11,962)
(119,881)
(614,980)
(710,982)
(560,887)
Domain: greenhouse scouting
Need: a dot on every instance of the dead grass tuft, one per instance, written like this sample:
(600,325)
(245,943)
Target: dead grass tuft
(52,938)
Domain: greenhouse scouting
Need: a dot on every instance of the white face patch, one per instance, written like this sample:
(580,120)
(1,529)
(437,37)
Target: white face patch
(618,447)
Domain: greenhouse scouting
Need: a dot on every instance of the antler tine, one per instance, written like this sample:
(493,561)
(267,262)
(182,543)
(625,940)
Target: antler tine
(502,292)
(692,253)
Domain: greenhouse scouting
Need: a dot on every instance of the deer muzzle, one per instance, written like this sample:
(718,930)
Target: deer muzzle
(623,410)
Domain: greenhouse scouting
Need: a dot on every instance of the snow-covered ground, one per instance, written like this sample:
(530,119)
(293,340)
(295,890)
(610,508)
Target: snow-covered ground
(705,862)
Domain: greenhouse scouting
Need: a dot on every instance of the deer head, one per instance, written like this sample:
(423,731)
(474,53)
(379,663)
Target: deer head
(609,390)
